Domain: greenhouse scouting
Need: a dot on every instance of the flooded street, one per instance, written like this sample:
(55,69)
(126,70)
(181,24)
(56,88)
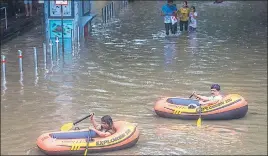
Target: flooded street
(122,68)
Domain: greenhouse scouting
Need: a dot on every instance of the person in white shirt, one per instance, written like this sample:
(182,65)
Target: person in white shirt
(193,16)
(216,96)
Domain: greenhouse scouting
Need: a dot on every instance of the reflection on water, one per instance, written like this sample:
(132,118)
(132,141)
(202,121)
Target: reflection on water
(4,87)
(169,52)
(193,44)
(123,67)
(215,137)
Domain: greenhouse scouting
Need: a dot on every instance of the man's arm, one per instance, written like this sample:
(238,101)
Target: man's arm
(179,13)
(208,102)
(101,134)
(205,98)
(94,123)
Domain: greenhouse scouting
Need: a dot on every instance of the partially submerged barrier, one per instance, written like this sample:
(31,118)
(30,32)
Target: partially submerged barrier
(109,11)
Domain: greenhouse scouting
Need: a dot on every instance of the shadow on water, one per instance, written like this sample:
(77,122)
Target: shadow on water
(34,151)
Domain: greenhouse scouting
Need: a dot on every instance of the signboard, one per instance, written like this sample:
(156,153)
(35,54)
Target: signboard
(56,29)
(64,2)
(55,9)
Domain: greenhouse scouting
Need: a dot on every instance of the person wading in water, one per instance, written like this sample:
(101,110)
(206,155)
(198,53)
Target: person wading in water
(183,14)
(169,13)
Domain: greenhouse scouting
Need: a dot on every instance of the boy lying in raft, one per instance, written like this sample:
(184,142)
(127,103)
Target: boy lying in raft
(216,96)
(105,129)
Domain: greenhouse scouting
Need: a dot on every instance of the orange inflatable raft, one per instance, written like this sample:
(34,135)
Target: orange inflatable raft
(126,136)
(232,106)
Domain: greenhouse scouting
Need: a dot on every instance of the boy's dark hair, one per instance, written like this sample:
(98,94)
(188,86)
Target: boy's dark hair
(107,119)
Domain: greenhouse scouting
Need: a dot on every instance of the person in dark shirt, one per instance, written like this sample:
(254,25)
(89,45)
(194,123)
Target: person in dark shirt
(106,128)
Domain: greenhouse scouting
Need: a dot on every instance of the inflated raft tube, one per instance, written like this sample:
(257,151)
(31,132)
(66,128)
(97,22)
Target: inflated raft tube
(232,106)
(74,142)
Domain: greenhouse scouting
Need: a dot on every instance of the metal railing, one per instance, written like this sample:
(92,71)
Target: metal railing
(107,12)
(5,18)
(51,54)
(110,10)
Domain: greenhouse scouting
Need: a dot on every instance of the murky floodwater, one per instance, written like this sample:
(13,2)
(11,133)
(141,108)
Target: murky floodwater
(122,68)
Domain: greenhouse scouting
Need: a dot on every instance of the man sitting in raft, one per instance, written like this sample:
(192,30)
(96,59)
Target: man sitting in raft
(106,128)
(216,96)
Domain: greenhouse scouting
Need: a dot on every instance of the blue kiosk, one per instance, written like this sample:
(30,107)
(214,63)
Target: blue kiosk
(74,15)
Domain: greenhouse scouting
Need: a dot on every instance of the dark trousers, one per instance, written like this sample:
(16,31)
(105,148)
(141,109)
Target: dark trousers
(175,28)
(185,24)
(172,28)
